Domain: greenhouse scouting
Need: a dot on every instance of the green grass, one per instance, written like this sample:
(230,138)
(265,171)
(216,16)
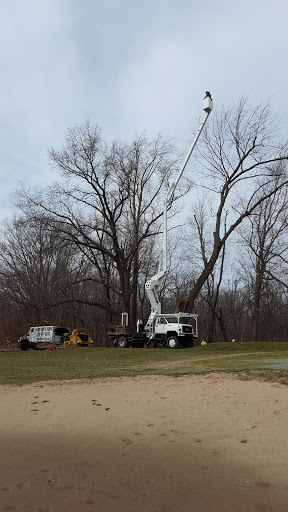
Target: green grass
(245,347)
(80,363)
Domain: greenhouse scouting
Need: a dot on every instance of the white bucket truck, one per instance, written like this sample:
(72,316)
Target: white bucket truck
(171,329)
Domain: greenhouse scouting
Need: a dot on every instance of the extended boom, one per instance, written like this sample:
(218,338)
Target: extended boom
(153,282)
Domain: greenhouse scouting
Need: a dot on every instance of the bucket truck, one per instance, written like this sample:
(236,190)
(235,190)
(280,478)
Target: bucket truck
(163,329)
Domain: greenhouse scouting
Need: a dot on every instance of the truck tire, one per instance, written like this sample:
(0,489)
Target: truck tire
(173,342)
(122,342)
(24,344)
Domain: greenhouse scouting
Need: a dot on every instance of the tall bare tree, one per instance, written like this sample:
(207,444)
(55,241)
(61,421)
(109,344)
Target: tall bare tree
(197,250)
(239,146)
(266,237)
(107,204)
(35,269)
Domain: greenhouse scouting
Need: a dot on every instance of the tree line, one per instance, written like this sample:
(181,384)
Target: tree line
(78,253)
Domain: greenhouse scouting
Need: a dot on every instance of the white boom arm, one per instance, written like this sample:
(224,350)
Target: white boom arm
(152,283)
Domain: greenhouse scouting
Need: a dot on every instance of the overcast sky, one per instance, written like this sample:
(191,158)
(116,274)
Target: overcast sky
(129,66)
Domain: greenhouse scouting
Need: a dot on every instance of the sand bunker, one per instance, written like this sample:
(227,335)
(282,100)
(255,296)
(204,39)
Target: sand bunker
(153,444)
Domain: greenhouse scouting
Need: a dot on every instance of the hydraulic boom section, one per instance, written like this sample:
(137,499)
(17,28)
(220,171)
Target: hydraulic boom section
(152,283)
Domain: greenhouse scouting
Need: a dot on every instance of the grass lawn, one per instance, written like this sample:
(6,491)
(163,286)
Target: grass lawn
(246,358)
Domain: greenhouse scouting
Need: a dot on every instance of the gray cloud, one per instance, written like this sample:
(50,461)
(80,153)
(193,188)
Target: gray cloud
(129,66)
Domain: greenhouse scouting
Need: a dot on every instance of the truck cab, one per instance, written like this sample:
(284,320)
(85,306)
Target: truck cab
(170,329)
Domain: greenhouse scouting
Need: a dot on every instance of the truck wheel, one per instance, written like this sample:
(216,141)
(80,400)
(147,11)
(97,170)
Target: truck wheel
(24,344)
(122,342)
(173,342)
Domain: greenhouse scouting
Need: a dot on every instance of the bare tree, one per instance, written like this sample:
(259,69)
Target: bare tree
(197,251)
(235,301)
(107,204)
(35,269)
(265,235)
(238,147)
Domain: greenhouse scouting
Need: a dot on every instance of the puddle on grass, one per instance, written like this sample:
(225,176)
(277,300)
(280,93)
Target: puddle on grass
(275,364)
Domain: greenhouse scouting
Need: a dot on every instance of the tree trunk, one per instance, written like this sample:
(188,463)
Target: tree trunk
(212,327)
(204,274)
(257,300)
(222,324)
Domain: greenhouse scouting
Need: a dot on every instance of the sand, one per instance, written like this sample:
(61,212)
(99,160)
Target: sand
(153,444)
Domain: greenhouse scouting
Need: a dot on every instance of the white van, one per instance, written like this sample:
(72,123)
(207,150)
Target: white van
(43,335)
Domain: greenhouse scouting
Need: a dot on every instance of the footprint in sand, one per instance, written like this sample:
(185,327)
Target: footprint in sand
(23,485)
(52,481)
(262,485)
(264,508)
